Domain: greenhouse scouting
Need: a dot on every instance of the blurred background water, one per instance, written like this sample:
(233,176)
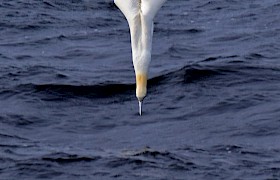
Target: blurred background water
(67,93)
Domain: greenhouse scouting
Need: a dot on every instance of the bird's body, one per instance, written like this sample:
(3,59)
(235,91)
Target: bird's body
(140,15)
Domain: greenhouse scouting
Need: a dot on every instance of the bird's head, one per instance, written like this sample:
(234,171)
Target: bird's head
(141,67)
(141,89)
(141,86)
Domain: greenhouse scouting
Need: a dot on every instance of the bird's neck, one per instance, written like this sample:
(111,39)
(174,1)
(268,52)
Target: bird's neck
(141,43)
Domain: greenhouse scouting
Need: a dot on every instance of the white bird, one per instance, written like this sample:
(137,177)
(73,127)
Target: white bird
(140,15)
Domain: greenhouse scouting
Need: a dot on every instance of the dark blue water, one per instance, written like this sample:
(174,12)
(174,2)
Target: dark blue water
(67,93)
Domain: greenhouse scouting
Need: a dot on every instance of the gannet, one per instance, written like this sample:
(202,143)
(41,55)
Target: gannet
(140,15)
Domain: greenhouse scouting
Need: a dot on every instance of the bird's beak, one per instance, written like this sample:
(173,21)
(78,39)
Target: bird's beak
(141,89)
(140,108)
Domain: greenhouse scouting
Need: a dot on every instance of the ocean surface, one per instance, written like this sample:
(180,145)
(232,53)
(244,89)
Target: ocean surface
(67,92)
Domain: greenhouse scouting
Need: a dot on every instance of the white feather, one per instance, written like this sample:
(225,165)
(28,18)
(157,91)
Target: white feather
(131,8)
(151,7)
(140,15)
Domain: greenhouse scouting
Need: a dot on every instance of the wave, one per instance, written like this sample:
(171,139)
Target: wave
(104,90)
(144,162)
(152,158)
(230,75)
(179,31)
(63,158)
(16,120)
(57,92)
(196,73)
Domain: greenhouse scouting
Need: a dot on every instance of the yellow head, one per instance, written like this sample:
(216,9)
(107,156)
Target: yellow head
(141,86)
